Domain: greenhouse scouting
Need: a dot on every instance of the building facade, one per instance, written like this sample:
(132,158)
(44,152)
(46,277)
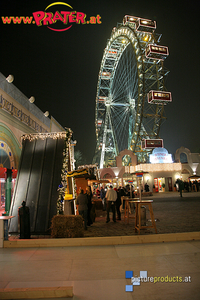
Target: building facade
(18,116)
(161,175)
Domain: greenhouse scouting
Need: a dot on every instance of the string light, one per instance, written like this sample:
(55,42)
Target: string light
(159,167)
(36,136)
(63,185)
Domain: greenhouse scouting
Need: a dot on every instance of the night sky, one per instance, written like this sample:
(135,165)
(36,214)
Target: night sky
(60,69)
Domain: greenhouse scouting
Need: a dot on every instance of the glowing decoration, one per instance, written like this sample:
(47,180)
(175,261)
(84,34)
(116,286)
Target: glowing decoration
(31,99)
(43,136)
(106,75)
(161,167)
(99,122)
(177,176)
(160,156)
(46,114)
(66,164)
(10,78)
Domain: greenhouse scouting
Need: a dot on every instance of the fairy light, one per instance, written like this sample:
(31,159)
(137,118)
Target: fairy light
(159,167)
(63,185)
(36,136)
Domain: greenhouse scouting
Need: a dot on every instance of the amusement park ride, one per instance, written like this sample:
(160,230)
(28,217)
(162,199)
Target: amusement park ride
(131,92)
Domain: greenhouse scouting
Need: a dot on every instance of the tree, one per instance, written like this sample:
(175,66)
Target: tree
(79,159)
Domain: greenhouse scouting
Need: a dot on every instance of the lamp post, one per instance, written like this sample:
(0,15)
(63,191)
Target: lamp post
(139,175)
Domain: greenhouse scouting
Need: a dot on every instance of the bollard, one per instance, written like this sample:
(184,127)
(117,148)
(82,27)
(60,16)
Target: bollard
(24,221)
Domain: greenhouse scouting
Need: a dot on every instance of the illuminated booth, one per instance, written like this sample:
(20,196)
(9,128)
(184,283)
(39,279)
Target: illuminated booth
(162,171)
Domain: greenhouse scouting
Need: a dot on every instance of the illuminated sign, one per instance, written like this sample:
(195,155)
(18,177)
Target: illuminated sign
(160,156)
(152,143)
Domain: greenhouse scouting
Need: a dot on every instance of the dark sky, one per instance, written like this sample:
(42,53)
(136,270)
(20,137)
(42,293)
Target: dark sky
(60,69)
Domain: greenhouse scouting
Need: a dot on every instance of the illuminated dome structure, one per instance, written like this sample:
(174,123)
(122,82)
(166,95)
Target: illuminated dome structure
(131,92)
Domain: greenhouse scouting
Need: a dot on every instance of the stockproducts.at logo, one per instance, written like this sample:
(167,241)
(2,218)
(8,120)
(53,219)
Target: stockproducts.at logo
(55,17)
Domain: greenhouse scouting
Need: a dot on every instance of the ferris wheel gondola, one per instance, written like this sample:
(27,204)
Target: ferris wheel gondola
(131,67)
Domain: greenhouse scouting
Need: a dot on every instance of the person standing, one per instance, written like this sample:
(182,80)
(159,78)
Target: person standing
(102,195)
(120,193)
(89,198)
(146,187)
(180,186)
(111,197)
(118,203)
(82,203)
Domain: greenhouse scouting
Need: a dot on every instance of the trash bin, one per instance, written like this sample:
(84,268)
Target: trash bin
(143,216)
(24,221)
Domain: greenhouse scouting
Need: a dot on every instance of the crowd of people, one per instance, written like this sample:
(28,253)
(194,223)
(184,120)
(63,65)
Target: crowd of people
(187,186)
(111,201)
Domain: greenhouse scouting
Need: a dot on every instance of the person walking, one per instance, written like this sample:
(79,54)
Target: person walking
(82,203)
(111,197)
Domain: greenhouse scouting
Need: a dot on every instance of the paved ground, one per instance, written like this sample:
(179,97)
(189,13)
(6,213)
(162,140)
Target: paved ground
(98,272)
(172,213)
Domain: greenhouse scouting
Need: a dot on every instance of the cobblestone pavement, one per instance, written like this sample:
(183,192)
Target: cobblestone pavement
(172,213)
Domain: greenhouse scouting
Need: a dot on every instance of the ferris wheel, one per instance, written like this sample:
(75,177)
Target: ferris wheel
(131,92)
